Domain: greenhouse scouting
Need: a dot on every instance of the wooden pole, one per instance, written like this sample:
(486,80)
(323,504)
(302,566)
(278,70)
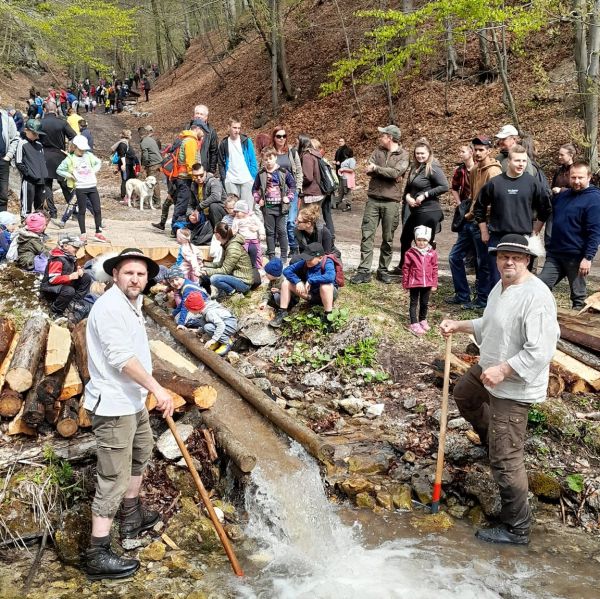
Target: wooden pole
(206,499)
(439,469)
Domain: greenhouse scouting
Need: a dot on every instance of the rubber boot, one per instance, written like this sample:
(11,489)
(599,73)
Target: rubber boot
(102,562)
(134,518)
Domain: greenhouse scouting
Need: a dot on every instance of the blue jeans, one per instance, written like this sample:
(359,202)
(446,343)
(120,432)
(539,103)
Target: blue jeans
(230,329)
(229,284)
(291,223)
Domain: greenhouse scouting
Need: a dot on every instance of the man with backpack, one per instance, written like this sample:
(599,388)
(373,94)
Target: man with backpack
(151,158)
(315,277)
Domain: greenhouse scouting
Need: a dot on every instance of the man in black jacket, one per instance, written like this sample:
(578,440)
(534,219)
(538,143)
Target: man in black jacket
(56,134)
(513,199)
(210,145)
(208,194)
(30,161)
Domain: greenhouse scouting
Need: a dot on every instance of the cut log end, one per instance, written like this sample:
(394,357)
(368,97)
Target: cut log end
(10,403)
(556,385)
(17,426)
(205,397)
(19,379)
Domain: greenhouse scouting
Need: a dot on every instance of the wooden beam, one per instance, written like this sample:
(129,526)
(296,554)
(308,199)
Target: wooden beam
(578,369)
(58,348)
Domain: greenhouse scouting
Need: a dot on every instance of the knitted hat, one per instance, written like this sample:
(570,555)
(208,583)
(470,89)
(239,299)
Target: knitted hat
(423,232)
(36,222)
(274,267)
(175,272)
(8,218)
(241,206)
(194,302)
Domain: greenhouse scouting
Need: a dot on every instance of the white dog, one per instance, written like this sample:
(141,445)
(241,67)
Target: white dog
(142,190)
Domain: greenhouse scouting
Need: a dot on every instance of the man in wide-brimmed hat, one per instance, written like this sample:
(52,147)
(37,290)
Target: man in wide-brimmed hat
(517,336)
(120,377)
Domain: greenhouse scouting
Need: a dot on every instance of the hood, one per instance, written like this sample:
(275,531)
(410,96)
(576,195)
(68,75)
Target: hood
(188,133)
(492,163)
(239,239)
(590,189)
(26,234)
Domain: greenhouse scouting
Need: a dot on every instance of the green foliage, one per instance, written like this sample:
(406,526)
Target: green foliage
(401,40)
(303,354)
(575,482)
(362,354)
(537,421)
(60,473)
(373,376)
(311,322)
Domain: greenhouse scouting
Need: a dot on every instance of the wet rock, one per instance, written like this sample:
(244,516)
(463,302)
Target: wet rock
(384,499)
(352,405)
(317,412)
(249,370)
(263,383)
(256,329)
(544,485)
(402,472)
(178,562)
(356,330)
(196,595)
(460,450)
(481,485)
(292,393)
(422,486)
(155,552)
(364,500)
(410,403)
(477,516)
(355,485)
(375,410)
(314,379)
(72,536)
(191,531)
(458,423)
(234,532)
(401,496)
(458,511)
(167,445)
(432,522)
(377,463)
(409,457)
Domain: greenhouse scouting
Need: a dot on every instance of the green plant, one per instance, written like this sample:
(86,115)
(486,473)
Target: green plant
(303,322)
(338,318)
(60,473)
(575,482)
(537,421)
(377,376)
(362,354)
(303,354)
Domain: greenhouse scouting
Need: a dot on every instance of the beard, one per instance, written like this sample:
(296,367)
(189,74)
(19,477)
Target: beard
(132,293)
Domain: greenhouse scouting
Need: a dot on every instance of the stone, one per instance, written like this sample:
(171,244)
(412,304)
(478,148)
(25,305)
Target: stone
(421,386)
(364,500)
(458,511)
(339,425)
(460,450)
(422,487)
(263,383)
(182,480)
(401,496)
(482,486)
(249,370)
(254,327)
(234,532)
(377,463)
(334,387)
(294,403)
(167,445)
(72,536)
(190,531)
(409,403)
(154,552)
(177,562)
(384,499)
(292,393)
(314,379)
(544,485)
(352,405)
(131,544)
(432,522)
(281,402)
(317,412)
(458,423)
(357,329)
(196,595)
(375,410)
(409,457)
(233,358)
(476,516)
(355,485)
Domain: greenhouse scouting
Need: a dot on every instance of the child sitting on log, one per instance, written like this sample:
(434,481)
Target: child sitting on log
(214,319)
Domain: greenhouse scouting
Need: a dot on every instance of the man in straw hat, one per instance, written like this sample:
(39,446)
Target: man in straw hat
(120,377)
(517,336)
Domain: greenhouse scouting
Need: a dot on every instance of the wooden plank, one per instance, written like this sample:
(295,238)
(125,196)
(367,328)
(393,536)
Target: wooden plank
(167,353)
(582,371)
(581,329)
(592,302)
(58,348)
(73,385)
(8,359)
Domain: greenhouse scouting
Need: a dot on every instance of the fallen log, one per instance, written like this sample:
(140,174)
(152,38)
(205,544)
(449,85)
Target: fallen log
(581,329)
(202,396)
(58,349)
(81,358)
(17,426)
(83,447)
(28,354)
(68,419)
(5,365)
(35,411)
(591,302)
(586,357)
(11,402)
(578,369)
(7,332)
(252,394)
(72,384)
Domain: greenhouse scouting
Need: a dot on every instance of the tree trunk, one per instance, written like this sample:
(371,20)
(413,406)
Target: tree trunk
(81,357)
(451,55)
(157,35)
(486,71)
(503,70)
(28,354)
(187,36)
(274,61)
(82,448)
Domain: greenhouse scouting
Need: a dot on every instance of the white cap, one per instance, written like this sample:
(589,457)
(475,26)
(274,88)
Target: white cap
(241,206)
(423,232)
(507,131)
(81,142)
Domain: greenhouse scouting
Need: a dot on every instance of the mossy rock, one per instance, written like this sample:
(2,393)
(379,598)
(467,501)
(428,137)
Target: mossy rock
(377,463)
(154,552)
(432,522)
(355,485)
(364,500)
(544,485)
(401,496)
(384,499)
(592,437)
(191,531)
(73,534)
(558,417)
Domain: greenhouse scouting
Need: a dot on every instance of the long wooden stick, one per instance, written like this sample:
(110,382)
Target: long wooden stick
(437,485)
(206,499)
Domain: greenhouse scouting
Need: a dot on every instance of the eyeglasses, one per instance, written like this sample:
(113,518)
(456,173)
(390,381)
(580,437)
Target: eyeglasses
(281,136)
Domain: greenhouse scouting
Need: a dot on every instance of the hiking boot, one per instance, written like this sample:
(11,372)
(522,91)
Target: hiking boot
(159,226)
(501,534)
(102,562)
(223,349)
(476,305)
(135,519)
(425,325)
(384,277)
(277,322)
(361,277)
(396,271)
(416,329)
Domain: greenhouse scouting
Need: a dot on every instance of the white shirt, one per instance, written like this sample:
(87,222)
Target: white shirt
(115,333)
(84,174)
(237,170)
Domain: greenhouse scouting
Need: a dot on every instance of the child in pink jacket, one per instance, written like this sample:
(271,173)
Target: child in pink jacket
(420,276)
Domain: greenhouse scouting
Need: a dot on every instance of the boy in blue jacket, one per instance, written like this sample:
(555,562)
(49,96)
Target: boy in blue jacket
(311,278)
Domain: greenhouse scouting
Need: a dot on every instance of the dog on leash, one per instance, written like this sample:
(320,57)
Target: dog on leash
(141,190)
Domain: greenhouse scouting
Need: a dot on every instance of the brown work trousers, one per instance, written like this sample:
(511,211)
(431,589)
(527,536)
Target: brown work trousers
(502,423)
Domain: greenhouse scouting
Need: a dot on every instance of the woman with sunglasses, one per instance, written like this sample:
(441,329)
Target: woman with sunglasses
(289,159)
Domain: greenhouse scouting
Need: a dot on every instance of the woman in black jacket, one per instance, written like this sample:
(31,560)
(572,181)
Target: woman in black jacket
(425,183)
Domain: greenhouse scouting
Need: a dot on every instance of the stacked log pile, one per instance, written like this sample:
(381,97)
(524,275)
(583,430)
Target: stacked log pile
(575,367)
(43,373)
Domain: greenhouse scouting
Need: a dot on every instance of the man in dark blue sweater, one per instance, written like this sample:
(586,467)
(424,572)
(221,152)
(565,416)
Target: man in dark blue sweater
(575,234)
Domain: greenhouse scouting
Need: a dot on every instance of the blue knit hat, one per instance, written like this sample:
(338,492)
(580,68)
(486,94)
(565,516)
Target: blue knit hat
(174,272)
(274,267)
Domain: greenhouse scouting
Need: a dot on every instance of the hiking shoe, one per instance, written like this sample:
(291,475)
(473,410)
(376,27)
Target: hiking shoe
(416,329)
(159,226)
(277,322)
(223,349)
(361,277)
(99,237)
(476,305)
(501,534)
(102,562)
(173,234)
(425,325)
(213,346)
(396,271)
(384,277)
(136,519)
(454,301)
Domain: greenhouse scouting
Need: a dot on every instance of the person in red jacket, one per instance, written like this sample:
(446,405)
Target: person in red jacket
(420,277)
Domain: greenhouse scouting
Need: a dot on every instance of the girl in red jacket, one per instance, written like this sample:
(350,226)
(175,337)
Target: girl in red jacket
(420,276)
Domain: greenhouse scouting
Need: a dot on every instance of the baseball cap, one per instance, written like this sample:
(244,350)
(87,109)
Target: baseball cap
(481,140)
(175,272)
(507,131)
(35,126)
(81,142)
(392,131)
(70,240)
(312,250)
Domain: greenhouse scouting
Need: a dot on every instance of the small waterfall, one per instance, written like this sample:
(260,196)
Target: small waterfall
(309,553)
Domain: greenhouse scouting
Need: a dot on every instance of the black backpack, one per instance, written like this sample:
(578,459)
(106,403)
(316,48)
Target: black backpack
(328,183)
